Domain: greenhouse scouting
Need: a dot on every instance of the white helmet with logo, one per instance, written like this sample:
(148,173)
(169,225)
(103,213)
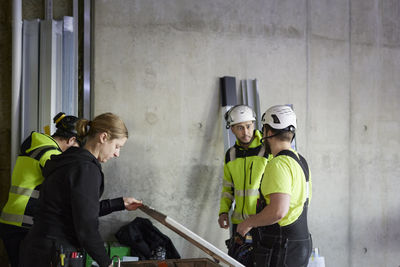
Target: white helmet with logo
(238,114)
(280,117)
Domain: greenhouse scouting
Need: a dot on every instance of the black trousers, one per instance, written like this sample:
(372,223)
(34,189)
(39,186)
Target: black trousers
(12,237)
(282,252)
(38,250)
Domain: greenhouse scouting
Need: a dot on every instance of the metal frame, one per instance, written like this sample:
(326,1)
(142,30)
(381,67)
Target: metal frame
(87,109)
(30,78)
(228,100)
(16,79)
(69,99)
(49,88)
(251,98)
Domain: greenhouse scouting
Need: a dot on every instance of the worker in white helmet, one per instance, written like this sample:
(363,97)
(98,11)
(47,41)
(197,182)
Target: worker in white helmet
(243,168)
(281,218)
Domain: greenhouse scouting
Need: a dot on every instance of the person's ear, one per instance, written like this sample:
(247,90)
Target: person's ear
(71,141)
(103,137)
(264,132)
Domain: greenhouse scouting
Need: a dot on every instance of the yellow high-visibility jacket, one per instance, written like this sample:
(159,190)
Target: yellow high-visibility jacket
(26,179)
(243,170)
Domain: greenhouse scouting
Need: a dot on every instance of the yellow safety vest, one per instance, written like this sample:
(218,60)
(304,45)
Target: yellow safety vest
(26,179)
(243,170)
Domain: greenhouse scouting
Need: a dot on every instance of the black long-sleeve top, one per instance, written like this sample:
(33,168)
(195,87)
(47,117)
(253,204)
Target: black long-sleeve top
(69,201)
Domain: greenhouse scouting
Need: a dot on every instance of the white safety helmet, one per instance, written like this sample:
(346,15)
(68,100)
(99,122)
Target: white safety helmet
(280,117)
(238,114)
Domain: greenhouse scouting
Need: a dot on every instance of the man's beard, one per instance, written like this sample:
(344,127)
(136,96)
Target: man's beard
(266,145)
(247,143)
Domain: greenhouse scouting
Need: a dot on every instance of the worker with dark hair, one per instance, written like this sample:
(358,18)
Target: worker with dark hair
(67,221)
(17,215)
(243,168)
(281,219)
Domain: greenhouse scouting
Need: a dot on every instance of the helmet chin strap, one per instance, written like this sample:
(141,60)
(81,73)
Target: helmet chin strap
(278,133)
(262,139)
(288,129)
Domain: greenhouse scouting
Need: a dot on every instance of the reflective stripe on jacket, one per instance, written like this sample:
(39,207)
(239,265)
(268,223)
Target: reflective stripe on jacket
(26,179)
(243,170)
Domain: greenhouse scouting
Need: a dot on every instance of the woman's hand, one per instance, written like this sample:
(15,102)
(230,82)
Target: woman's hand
(132,203)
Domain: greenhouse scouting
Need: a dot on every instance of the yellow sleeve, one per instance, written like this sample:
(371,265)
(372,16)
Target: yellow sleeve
(227,191)
(46,156)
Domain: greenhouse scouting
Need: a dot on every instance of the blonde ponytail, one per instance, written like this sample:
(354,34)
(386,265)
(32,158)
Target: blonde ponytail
(106,122)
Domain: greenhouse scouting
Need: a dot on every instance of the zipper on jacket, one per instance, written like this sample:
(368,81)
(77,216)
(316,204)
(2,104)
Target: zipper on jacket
(251,170)
(244,185)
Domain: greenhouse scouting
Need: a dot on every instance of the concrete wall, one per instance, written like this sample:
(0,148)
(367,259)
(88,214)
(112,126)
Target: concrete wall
(157,64)
(374,136)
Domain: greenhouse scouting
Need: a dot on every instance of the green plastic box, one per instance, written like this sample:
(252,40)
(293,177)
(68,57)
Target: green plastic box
(113,249)
(116,249)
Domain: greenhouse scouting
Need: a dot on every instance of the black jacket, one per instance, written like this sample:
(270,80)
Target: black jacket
(144,239)
(69,201)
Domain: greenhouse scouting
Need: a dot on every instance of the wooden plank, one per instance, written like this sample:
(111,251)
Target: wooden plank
(190,236)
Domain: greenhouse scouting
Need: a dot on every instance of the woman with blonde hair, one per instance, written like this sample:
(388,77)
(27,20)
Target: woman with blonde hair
(67,220)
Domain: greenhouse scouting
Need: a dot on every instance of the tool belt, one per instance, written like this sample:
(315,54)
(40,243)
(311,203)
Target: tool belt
(66,255)
(241,248)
